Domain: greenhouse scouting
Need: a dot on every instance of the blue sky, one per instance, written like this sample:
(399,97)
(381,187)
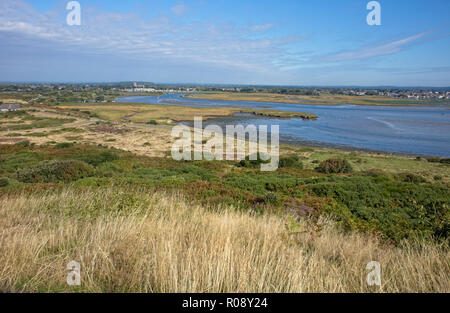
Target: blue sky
(281,42)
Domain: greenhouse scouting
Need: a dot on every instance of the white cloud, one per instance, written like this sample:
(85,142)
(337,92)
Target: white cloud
(372,51)
(261,28)
(156,39)
(179,9)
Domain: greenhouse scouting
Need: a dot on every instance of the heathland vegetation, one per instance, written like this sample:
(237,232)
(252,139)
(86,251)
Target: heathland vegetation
(108,195)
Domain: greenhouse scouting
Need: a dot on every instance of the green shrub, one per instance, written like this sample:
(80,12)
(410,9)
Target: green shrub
(271,198)
(197,173)
(25,143)
(397,210)
(334,166)
(20,159)
(291,161)
(63,145)
(438,160)
(260,184)
(96,159)
(247,162)
(410,178)
(152,122)
(54,171)
(4,181)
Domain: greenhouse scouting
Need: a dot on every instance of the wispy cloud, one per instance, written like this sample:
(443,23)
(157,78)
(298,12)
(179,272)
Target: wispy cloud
(179,9)
(160,38)
(372,51)
(170,48)
(262,28)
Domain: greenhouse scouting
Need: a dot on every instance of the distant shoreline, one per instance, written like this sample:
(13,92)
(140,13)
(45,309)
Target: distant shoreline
(331,100)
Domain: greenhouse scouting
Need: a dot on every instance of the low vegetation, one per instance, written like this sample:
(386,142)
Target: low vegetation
(395,207)
(141,240)
(334,166)
(55,171)
(28,121)
(139,221)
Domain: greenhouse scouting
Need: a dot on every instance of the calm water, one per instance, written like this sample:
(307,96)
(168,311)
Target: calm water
(409,130)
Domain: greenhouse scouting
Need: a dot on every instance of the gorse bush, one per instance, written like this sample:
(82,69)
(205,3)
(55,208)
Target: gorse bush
(63,145)
(290,161)
(437,160)
(272,198)
(254,161)
(397,210)
(411,178)
(96,159)
(55,171)
(24,143)
(334,166)
(4,181)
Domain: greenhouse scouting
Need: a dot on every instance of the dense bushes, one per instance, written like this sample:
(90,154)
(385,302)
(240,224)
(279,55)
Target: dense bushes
(437,160)
(54,171)
(411,178)
(253,161)
(290,161)
(334,166)
(24,143)
(96,159)
(260,184)
(284,162)
(397,210)
(397,206)
(63,145)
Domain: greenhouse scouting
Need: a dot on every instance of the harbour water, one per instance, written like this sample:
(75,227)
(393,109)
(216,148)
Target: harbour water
(415,130)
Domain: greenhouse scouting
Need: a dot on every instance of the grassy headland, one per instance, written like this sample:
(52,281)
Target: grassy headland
(105,193)
(163,114)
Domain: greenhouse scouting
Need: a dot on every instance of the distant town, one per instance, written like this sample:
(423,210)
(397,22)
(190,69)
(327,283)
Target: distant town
(407,93)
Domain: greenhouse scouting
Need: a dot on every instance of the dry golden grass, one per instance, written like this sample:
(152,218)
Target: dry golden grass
(152,242)
(134,139)
(323,99)
(142,113)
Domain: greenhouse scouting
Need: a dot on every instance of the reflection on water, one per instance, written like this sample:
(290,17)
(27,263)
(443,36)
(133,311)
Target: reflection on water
(411,130)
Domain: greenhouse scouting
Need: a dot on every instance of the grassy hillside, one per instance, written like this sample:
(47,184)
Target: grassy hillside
(107,195)
(139,240)
(394,206)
